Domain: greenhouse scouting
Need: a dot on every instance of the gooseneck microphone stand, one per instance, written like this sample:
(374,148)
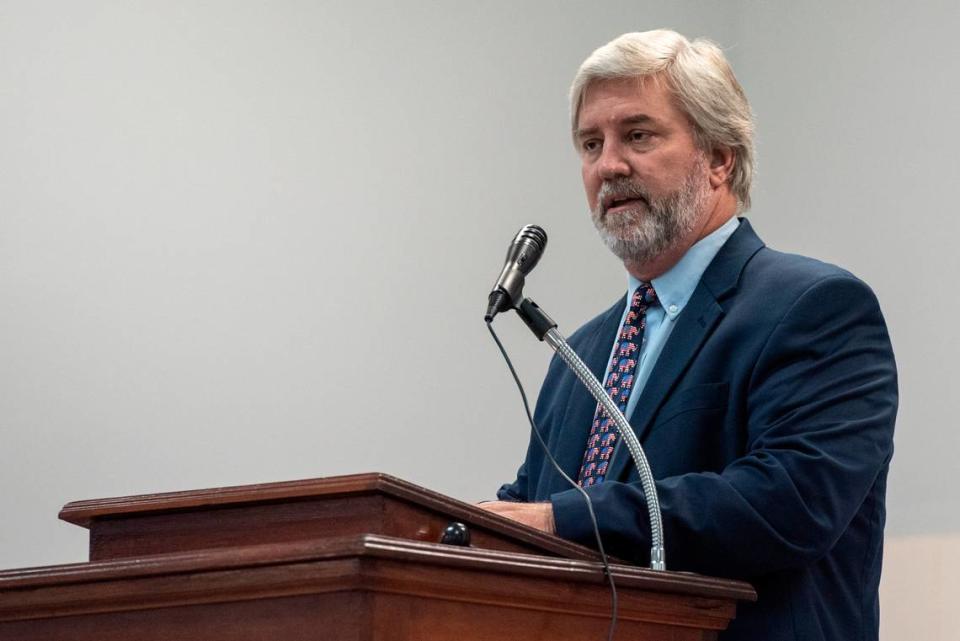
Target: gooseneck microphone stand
(546,330)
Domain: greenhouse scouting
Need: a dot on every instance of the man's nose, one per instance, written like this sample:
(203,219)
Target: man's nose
(612,163)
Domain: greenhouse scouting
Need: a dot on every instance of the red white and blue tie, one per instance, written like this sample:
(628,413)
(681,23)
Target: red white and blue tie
(618,384)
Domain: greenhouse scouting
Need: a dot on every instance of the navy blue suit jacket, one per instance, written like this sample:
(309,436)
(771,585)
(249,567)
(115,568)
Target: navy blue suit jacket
(768,423)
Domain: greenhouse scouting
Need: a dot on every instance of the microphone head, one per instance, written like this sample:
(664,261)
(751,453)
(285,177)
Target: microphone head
(533,234)
(522,256)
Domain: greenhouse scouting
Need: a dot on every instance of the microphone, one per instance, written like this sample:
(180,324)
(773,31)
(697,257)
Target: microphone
(522,256)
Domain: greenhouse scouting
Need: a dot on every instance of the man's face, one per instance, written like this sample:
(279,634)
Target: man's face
(647,182)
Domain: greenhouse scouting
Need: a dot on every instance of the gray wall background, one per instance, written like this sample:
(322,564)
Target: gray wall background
(251,241)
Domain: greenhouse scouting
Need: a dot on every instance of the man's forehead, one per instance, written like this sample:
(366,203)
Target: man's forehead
(635,100)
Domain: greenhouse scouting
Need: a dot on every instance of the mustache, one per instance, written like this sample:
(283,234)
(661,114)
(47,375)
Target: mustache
(619,189)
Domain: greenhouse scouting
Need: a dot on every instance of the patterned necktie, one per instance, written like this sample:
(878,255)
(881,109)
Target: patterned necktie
(618,384)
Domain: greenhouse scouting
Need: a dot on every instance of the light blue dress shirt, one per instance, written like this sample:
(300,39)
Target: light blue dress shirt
(674,289)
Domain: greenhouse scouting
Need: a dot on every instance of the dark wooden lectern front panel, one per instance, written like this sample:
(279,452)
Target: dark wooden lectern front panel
(359,586)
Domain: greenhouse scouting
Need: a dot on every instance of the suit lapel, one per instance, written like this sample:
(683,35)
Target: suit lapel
(694,325)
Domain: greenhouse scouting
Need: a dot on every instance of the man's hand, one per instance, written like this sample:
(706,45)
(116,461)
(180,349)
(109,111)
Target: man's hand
(536,515)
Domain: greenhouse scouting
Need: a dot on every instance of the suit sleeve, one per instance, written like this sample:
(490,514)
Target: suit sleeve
(821,404)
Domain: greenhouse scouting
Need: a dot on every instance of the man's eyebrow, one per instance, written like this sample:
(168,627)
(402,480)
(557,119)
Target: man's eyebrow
(589,131)
(636,119)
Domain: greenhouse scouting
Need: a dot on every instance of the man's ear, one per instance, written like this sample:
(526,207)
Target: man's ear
(721,165)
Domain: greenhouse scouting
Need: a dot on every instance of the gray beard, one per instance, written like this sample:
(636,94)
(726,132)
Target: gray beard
(642,233)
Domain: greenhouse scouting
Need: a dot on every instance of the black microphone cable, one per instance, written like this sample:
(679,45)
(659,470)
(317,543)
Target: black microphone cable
(574,484)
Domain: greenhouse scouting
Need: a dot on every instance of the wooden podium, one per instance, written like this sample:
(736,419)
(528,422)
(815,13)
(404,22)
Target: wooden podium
(352,558)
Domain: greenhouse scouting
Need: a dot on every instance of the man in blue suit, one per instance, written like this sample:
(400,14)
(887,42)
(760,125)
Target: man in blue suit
(762,385)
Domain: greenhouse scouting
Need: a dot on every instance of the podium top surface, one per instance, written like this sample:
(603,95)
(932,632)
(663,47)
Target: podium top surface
(371,503)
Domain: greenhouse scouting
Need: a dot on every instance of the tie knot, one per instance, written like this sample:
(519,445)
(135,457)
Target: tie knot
(644,296)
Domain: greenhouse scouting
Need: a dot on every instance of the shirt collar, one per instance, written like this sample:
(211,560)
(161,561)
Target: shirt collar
(675,286)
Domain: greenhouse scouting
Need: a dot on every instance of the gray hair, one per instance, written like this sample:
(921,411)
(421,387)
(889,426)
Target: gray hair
(700,78)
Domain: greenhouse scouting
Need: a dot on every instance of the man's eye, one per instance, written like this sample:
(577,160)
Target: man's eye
(590,145)
(638,136)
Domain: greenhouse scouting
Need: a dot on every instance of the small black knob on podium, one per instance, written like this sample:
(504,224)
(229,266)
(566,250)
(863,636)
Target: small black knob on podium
(456,534)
